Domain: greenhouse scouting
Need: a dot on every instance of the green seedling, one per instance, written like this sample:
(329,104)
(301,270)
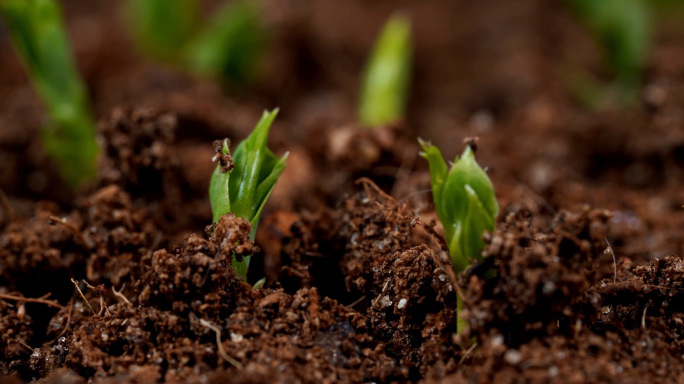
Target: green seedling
(162,27)
(622,29)
(39,37)
(242,185)
(231,45)
(385,83)
(466,205)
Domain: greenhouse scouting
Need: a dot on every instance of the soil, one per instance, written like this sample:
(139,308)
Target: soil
(124,281)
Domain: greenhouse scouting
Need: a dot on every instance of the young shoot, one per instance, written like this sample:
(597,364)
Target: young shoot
(622,28)
(466,205)
(40,39)
(160,27)
(230,47)
(385,83)
(241,184)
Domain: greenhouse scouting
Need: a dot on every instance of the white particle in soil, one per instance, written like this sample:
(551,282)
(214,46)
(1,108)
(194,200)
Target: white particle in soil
(236,337)
(553,371)
(402,303)
(385,301)
(512,356)
(442,277)
(497,340)
(548,287)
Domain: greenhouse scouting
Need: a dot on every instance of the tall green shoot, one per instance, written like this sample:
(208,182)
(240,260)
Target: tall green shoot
(386,79)
(244,189)
(40,39)
(466,205)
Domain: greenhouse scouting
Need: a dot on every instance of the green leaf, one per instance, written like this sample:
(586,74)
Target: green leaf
(161,27)
(251,155)
(245,189)
(465,203)
(39,37)
(230,47)
(385,83)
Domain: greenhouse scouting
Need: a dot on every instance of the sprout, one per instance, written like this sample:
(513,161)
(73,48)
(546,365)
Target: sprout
(231,45)
(241,184)
(623,30)
(385,84)
(40,39)
(466,205)
(160,27)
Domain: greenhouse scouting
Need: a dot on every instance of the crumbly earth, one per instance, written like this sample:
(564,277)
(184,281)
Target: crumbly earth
(358,283)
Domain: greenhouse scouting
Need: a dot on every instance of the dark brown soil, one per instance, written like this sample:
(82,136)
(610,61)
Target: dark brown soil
(359,287)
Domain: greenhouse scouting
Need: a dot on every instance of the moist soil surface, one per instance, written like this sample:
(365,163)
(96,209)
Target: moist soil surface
(124,280)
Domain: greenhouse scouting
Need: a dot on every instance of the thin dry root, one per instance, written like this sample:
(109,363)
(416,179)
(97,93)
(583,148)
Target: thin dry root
(643,318)
(614,261)
(468,352)
(82,295)
(6,205)
(120,295)
(222,351)
(51,303)
(369,183)
(52,220)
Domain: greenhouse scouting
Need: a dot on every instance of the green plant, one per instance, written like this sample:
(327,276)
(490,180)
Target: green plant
(227,47)
(466,205)
(622,28)
(385,83)
(231,45)
(161,27)
(241,184)
(39,37)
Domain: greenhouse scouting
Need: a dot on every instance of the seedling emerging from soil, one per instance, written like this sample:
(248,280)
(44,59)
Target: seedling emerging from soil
(385,84)
(466,205)
(161,27)
(231,45)
(40,39)
(623,31)
(241,184)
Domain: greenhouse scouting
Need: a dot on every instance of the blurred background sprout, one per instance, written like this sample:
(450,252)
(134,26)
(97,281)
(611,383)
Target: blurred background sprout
(622,29)
(228,46)
(386,79)
(162,27)
(40,39)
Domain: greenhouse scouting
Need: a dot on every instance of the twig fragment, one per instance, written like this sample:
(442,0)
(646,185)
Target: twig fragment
(614,261)
(52,220)
(360,299)
(119,294)
(468,352)
(222,351)
(82,295)
(643,318)
(6,206)
(23,344)
(51,303)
